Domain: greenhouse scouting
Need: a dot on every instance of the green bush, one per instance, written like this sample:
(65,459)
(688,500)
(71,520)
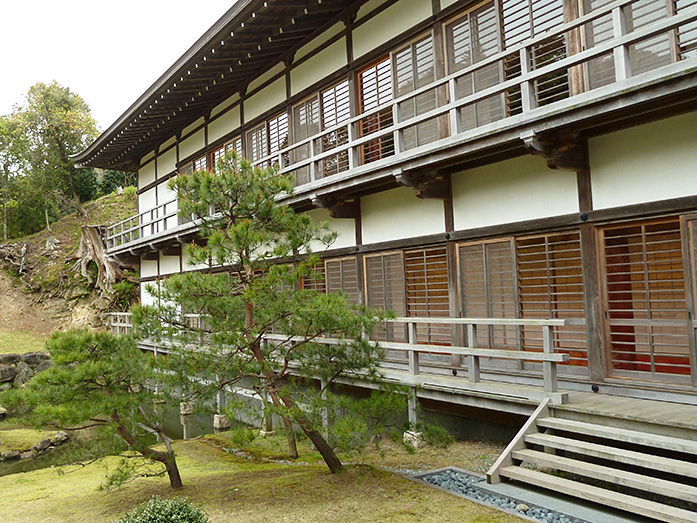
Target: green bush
(158,510)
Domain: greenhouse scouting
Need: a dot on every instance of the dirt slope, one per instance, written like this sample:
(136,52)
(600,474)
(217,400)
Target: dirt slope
(50,294)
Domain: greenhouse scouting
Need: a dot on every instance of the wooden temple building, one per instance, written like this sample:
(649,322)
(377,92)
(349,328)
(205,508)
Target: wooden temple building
(517,179)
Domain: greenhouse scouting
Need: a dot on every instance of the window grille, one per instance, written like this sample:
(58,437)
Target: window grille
(375,88)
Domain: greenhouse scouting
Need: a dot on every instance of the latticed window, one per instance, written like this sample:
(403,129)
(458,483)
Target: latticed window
(375,89)
(385,289)
(267,139)
(306,123)
(324,111)
(645,55)
(550,285)
(426,277)
(644,298)
(414,67)
(315,280)
(342,276)
(336,111)
(488,290)
(234,145)
(469,40)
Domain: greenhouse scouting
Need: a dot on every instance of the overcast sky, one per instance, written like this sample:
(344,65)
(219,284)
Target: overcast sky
(107,52)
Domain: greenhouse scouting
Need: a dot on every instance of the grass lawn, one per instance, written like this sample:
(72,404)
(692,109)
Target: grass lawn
(21,342)
(243,490)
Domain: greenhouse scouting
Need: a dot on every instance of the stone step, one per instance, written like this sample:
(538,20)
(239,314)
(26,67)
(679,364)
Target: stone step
(629,457)
(617,500)
(609,474)
(616,434)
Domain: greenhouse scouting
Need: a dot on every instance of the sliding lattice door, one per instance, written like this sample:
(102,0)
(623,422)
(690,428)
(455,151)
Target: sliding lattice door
(645,310)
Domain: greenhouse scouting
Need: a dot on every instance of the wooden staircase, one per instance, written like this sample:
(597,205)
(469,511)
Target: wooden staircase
(632,470)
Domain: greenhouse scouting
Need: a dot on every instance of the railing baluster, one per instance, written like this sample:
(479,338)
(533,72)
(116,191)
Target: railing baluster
(527,92)
(453,113)
(413,354)
(549,368)
(621,53)
(473,370)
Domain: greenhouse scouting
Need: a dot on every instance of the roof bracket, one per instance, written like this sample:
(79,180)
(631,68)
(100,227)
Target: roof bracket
(561,153)
(338,208)
(425,183)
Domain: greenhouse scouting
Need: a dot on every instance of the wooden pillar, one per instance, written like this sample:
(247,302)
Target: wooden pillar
(590,276)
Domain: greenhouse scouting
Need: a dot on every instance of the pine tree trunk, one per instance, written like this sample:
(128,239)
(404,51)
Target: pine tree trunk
(48,225)
(292,445)
(175,480)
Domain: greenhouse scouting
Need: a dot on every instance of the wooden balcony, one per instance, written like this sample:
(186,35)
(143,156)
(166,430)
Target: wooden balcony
(544,91)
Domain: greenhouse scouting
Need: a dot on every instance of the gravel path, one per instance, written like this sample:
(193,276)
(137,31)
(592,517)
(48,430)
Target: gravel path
(467,486)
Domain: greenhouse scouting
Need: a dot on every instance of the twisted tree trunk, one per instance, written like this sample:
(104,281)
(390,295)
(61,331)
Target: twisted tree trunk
(92,249)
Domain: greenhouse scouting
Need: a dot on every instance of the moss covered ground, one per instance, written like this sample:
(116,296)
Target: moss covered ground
(245,489)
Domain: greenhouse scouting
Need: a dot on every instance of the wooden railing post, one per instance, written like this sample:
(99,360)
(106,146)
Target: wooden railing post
(621,53)
(473,370)
(527,93)
(397,134)
(413,353)
(549,368)
(452,114)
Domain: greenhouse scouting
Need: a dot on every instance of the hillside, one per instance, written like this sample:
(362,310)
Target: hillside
(50,293)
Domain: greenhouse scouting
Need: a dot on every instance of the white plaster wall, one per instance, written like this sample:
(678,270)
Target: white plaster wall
(146,200)
(276,69)
(224,124)
(147,157)
(194,125)
(186,262)
(169,142)
(314,44)
(388,24)
(398,214)
(446,3)
(265,99)
(148,268)
(319,66)
(145,297)
(192,144)
(164,193)
(169,264)
(167,163)
(512,191)
(146,174)
(227,103)
(652,162)
(368,7)
(345,229)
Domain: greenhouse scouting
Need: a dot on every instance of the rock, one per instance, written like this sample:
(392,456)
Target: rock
(3,412)
(34,358)
(9,359)
(522,507)
(10,454)
(7,373)
(6,386)
(30,454)
(414,439)
(42,366)
(221,422)
(24,374)
(42,445)
(59,438)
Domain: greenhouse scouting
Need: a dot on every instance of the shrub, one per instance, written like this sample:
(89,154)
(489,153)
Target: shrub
(158,510)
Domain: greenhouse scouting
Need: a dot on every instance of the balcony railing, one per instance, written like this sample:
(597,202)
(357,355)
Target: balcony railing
(159,219)
(536,79)
(419,369)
